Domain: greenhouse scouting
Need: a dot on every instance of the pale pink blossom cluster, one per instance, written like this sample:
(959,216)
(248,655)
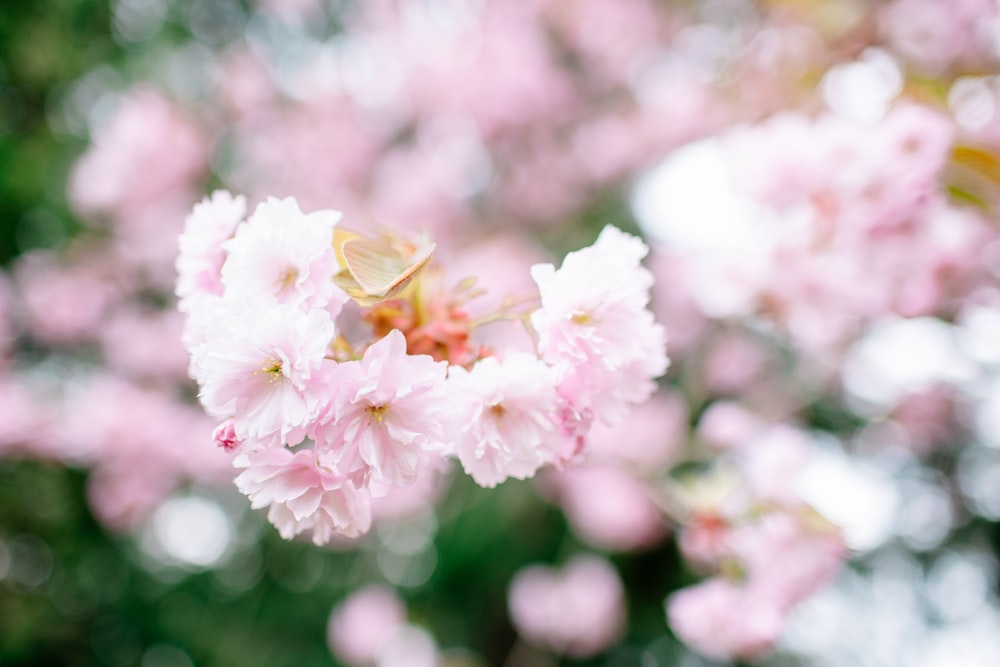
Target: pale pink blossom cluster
(939,37)
(319,431)
(483,120)
(766,550)
(483,87)
(858,218)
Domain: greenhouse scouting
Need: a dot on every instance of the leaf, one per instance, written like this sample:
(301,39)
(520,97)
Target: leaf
(980,161)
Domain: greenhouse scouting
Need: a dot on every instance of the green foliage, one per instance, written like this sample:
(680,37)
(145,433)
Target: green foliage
(75,595)
(44,45)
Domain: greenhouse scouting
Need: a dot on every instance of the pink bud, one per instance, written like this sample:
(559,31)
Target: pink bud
(225,436)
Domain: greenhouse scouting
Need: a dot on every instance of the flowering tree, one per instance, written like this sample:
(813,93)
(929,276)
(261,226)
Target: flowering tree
(408,272)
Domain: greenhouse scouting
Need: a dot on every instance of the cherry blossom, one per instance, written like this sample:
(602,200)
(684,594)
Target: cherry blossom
(283,254)
(201,255)
(386,413)
(511,429)
(594,327)
(262,365)
(303,494)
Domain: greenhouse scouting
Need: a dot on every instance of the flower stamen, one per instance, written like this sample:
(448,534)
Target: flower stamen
(498,411)
(376,413)
(286,279)
(273,368)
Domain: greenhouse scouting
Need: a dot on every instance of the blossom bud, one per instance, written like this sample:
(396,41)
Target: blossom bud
(225,436)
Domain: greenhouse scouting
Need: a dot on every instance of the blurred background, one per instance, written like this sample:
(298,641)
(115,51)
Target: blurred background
(816,483)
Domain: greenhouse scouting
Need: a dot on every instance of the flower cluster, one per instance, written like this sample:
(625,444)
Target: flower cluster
(746,523)
(323,413)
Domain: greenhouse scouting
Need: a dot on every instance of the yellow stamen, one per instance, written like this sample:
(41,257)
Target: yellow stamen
(286,279)
(271,367)
(498,411)
(376,413)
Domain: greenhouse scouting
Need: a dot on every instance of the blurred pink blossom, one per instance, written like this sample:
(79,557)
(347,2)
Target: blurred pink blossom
(650,439)
(927,417)
(788,557)
(361,625)
(125,167)
(319,150)
(140,444)
(609,508)
(938,37)
(593,28)
(576,611)
(734,363)
(723,620)
(398,503)
(773,462)
(142,342)
(26,427)
(727,425)
(63,303)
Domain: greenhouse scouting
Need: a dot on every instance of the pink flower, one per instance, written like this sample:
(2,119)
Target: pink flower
(24,426)
(145,342)
(63,304)
(724,620)
(594,326)
(261,365)
(734,363)
(285,255)
(927,417)
(609,508)
(361,625)
(937,36)
(303,494)
(199,263)
(649,439)
(773,464)
(578,611)
(510,431)
(387,413)
(788,557)
(728,425)
(125,166)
